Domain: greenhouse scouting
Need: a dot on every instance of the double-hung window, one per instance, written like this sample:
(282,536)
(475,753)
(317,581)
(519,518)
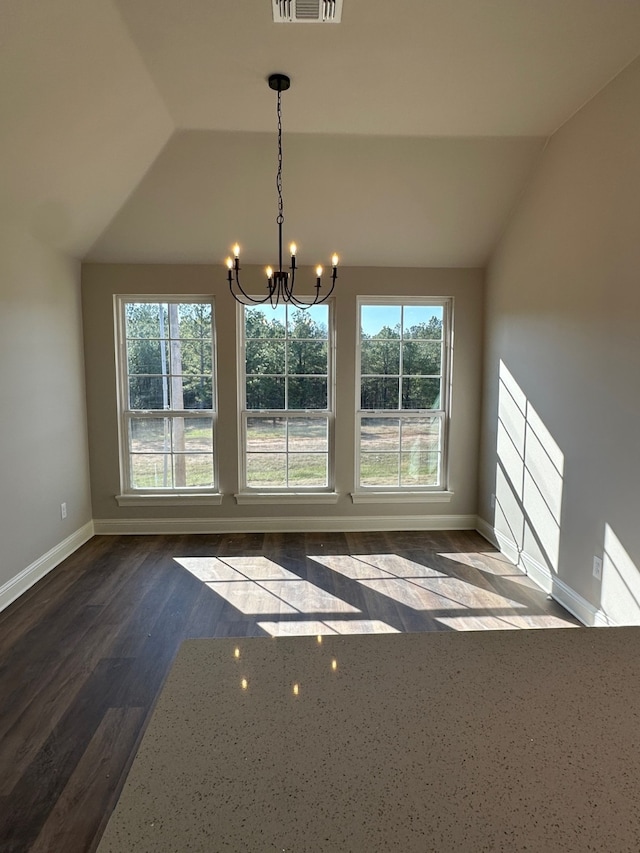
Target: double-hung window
(167,395)
(403,390)
(286,395)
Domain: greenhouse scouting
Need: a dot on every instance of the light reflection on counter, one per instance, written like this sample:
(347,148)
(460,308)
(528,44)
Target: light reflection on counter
(326,659)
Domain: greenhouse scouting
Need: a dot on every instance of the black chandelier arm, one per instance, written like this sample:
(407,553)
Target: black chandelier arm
(235,278)
(293,300)
(334,276)
(317,300)
(280,289)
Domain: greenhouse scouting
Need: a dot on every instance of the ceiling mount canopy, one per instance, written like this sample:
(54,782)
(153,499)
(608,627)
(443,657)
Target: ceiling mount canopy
(279,82)
(281,282)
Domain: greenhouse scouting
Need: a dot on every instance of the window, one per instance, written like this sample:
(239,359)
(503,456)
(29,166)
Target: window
(287,398)
(403,392)
(167,398)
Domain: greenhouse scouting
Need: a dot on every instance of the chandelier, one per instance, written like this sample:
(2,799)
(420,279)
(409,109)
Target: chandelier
(280,282)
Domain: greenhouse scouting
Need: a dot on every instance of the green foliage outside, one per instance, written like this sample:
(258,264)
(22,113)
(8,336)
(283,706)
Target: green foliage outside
(169,355)
(401,368)
(286,358)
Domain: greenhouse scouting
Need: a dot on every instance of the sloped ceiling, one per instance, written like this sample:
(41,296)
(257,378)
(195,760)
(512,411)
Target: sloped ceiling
(144,130)
(80,118)
(410,201)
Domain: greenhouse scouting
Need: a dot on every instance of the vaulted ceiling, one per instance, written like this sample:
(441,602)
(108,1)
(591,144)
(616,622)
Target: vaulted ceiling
(144,130)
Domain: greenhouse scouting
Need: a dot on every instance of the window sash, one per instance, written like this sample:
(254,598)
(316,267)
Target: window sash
(422,469)
(290,465)
(175,467)
(284,453)
(164,467)
(410,466)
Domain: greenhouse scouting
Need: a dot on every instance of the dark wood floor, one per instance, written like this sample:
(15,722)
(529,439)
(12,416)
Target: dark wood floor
(84,653)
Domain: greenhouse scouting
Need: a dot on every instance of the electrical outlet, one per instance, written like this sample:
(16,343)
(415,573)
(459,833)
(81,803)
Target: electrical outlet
(597,568)
(63,510)
(493,501)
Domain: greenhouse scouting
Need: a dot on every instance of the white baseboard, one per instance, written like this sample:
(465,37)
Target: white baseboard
(541,575)
(505,545)
(307,524)
(582,609)
(485,529)
(43,565)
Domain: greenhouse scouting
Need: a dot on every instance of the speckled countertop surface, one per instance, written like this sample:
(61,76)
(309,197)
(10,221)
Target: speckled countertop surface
(505,741)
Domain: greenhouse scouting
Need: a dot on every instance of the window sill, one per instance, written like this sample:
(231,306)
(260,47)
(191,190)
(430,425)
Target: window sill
(377,497)
(178,499)
(287,497)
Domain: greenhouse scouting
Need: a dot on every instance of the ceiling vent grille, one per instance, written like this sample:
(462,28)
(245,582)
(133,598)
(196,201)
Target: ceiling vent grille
(307,11)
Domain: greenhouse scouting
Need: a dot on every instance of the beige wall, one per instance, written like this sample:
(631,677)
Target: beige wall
(101,281)
(43,446)
(561,437)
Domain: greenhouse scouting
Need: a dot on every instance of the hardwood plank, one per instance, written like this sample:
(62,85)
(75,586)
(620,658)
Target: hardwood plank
(31,718)
(45,599)
(78,816)
(24,727)
(43,781)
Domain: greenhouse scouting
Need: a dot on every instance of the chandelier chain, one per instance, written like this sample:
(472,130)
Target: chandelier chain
(280,218)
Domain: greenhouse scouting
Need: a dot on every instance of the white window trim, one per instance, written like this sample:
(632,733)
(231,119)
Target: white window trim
(177,499)
(439,493)
(313,494)
(160,497)
(377,496)
(286,497)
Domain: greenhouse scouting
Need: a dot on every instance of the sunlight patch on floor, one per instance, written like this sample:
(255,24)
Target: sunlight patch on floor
(259,587)
(274,597)
(492,563)
(333,626)
(413,584)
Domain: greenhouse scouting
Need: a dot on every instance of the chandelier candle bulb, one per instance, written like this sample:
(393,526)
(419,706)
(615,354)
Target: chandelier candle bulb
(293,249)
(334,261)
(236,250)
(269,273)
(319,272)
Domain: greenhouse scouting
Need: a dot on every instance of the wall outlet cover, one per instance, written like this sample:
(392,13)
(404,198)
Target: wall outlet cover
(597,568)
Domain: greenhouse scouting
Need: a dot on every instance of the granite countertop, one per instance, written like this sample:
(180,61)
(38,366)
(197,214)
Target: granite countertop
(473,741)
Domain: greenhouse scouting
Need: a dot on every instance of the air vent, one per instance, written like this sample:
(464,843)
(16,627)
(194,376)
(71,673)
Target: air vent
(307,11)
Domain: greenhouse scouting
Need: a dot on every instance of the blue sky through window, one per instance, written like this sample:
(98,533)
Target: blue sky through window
(373,318)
